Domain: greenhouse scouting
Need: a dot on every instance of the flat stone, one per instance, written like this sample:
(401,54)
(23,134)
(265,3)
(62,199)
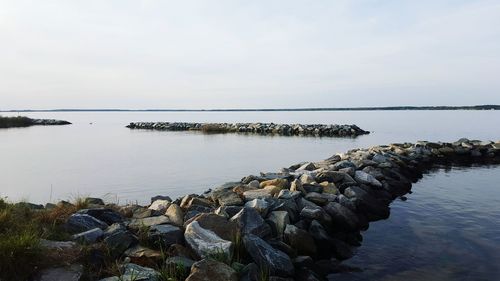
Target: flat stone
(164,235)
(147,222)
(250,195)
(106,215)
(365,178)
(89,236)
(77,223)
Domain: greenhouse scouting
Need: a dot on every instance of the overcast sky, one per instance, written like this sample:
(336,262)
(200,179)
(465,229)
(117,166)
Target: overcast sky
(248,54)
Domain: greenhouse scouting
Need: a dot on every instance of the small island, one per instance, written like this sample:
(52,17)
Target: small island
(22,121)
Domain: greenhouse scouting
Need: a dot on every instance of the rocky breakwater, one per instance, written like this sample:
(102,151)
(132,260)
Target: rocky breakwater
(21,121)
(297,224)
(256,128)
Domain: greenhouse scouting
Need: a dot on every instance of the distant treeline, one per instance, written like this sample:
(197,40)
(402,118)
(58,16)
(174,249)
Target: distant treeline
(19,121)
(470,107)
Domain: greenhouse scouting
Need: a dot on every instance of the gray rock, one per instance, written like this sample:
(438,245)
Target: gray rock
(365,178)
(119,242)
(175,215)
(106,215)
(260,205)
(81,222)
(161,197)
(134,272)
(147,222)
(206,243)
(249,221)
(266,257)
(250,195)
(178,261)
(89,236)
(160,205)
(317,198)
(278,220)
(165,235)
(307,167)
(342,216)
(343,164)
(94,201)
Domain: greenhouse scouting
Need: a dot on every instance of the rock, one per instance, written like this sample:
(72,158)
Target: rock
(206,243)
(300,240)
(179,261)
(119,242)
(164,235)
(317,198)
(114,228)
(160,205)
(311,213)
(250,195)
(306,179)
(141,213)
(57,245)
(147,222)
(93,201)
(365,178)
(342,216)
(106,215)
(343,164)
(281,183)
(211,270)
(307,167)
(143,256)
(229,198)
(161,197)
(81,222)
(260,205)
(134,272)
(220,225)
(278,220)
(175,215)
(285,194)
(266,257)
(89,236)
(240,189)
(249,221)
(67,273)
(330,176)
(329,188)
(254,184)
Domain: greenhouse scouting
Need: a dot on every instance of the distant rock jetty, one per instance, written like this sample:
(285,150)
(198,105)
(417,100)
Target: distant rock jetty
(21,121)
(256,128)
(296,224)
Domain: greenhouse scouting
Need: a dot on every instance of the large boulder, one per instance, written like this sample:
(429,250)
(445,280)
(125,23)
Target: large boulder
(119,241)
(249,221)
(206,243)
(365,178)
(268,258)
(77,223)
(160,205)
(260,205)
(278,220)
(211,270)
(342,216)
(89,236)
(220,225)
(175,214)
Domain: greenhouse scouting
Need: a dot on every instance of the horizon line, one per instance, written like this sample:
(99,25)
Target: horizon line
(371,108)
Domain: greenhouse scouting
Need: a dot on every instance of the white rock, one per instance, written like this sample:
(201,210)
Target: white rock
(205,242)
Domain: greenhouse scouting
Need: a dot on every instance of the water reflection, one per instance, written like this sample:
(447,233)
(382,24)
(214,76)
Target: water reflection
(448,229)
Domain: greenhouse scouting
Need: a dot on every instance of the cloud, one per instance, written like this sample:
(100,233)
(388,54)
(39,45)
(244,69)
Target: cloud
(205,54)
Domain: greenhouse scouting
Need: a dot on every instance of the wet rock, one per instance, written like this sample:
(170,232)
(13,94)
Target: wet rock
(249,221)
(266,257)
(211,270)
(164,235)
(77,223)
(206,243)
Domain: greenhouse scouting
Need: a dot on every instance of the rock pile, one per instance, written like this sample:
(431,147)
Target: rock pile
(256,128)
(297,224)
(49,122)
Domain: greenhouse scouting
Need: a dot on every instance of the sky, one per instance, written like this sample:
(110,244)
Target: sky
(248,54)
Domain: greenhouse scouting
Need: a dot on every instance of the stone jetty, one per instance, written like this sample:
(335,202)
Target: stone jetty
(256,128)
(296,224)
(21,121)
(49,122)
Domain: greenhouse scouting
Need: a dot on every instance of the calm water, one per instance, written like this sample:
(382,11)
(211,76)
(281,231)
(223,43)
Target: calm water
(105,159)
(449,229)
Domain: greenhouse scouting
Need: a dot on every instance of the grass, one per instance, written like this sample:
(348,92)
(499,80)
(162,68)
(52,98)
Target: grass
(22,228)
(19,121)
(214,129)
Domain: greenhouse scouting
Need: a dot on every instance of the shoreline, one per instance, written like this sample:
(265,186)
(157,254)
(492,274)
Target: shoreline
(301,222)
(321,130)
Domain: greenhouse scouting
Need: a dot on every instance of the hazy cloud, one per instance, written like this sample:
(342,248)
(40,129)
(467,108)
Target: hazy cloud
(216,54)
